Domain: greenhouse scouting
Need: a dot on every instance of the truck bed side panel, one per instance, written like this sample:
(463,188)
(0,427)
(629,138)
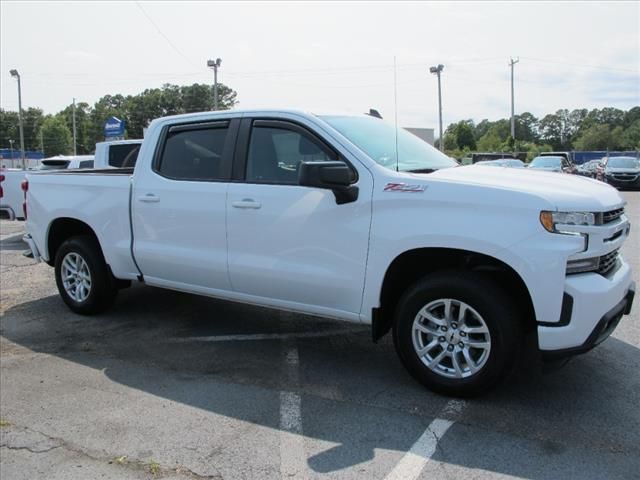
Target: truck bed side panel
(97,199)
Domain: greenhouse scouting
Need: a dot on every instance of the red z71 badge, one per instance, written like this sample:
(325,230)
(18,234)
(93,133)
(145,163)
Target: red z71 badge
(404,187)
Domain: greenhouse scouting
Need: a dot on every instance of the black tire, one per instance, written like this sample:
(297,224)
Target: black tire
(103,288)
(496,310)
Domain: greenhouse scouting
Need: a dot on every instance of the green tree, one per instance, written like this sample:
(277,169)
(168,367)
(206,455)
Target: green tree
(459,136)
(32,119)
(9,129)
(56,136)
(600,137)
(526,127)
(630,139)
(631,116)
(84,141)
(464,136)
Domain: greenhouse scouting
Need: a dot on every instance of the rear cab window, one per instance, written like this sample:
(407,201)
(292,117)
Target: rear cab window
(119,153)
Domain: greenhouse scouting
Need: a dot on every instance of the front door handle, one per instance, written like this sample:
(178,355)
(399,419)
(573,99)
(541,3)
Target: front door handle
(246,203)
(149,198)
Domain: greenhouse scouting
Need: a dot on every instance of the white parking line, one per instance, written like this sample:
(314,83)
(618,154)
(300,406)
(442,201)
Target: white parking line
(262,336)
(414,461)
(292,455)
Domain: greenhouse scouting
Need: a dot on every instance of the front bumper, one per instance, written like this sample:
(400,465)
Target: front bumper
(603,329)
(624,183)
(598,304)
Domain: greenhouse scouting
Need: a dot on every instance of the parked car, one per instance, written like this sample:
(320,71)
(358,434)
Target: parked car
(552,164)
(506,162)
(621,172)
(588,169)
(346,217)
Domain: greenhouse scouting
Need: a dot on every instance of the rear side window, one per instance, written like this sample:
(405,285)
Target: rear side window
(118,153)
(195,153)
(86,164)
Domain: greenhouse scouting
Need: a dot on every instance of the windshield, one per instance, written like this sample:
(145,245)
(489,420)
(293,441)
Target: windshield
(623,162)
(377,139)
(546,162)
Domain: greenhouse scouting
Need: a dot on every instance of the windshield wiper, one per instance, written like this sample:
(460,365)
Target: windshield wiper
(422,170)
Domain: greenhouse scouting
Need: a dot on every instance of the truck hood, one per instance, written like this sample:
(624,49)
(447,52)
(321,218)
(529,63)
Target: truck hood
(562,191)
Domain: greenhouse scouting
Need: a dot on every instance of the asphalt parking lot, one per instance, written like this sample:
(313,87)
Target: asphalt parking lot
(170,385)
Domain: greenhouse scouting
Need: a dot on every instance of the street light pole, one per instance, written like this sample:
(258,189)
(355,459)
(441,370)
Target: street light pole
(14,73)
(11,151)
(74,127)
(513,118)
(215,64)
(437,71)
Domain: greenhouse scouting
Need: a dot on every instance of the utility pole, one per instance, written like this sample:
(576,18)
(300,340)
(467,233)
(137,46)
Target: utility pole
(215,64)
(11,151)
(437,71)
(14,73)
(74,127)
(513,118)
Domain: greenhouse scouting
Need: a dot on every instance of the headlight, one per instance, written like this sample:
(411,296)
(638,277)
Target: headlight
(551,220)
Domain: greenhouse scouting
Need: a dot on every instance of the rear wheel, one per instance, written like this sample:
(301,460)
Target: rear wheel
(457,333)
(83,277)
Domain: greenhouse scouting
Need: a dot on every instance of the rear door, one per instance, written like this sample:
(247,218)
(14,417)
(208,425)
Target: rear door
(178,207)
(288,243)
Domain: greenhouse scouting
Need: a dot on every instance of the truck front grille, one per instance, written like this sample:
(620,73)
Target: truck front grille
(607,262)
(611,215)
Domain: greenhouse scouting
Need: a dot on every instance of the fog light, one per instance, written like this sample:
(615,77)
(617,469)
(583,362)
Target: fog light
(583,265)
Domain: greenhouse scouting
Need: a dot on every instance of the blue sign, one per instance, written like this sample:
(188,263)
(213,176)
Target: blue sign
(114,127)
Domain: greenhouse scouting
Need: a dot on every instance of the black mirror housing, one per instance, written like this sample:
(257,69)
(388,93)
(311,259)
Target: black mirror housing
(331,175)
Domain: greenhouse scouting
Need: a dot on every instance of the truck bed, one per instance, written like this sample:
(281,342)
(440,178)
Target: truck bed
(99,198)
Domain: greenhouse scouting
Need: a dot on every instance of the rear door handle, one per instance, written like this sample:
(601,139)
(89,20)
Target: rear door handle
(246,203)
(149,198)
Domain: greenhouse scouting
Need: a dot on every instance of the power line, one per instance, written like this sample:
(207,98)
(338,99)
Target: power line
(163,35)
(596,67)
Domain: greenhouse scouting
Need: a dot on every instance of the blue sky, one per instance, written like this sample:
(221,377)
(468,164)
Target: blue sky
(330,56)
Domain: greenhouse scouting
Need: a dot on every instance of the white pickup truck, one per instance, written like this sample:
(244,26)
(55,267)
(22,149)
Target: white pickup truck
(343,217)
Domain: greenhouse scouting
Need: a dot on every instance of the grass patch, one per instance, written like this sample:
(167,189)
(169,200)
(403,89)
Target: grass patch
(4,423)
(154,468)
(151,467)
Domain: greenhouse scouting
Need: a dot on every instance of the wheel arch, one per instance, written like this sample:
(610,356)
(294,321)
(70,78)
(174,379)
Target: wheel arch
(411,265)
(61,229)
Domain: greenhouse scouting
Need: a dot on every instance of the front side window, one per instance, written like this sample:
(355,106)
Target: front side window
(275,154)
(194,154)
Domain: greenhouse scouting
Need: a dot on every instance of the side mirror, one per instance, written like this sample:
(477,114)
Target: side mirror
(334,175)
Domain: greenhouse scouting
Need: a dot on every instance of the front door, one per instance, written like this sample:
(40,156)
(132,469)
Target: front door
(290,243)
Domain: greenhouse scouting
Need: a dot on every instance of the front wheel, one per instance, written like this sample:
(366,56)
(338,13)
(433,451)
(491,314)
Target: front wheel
(457,333)
(83,277)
